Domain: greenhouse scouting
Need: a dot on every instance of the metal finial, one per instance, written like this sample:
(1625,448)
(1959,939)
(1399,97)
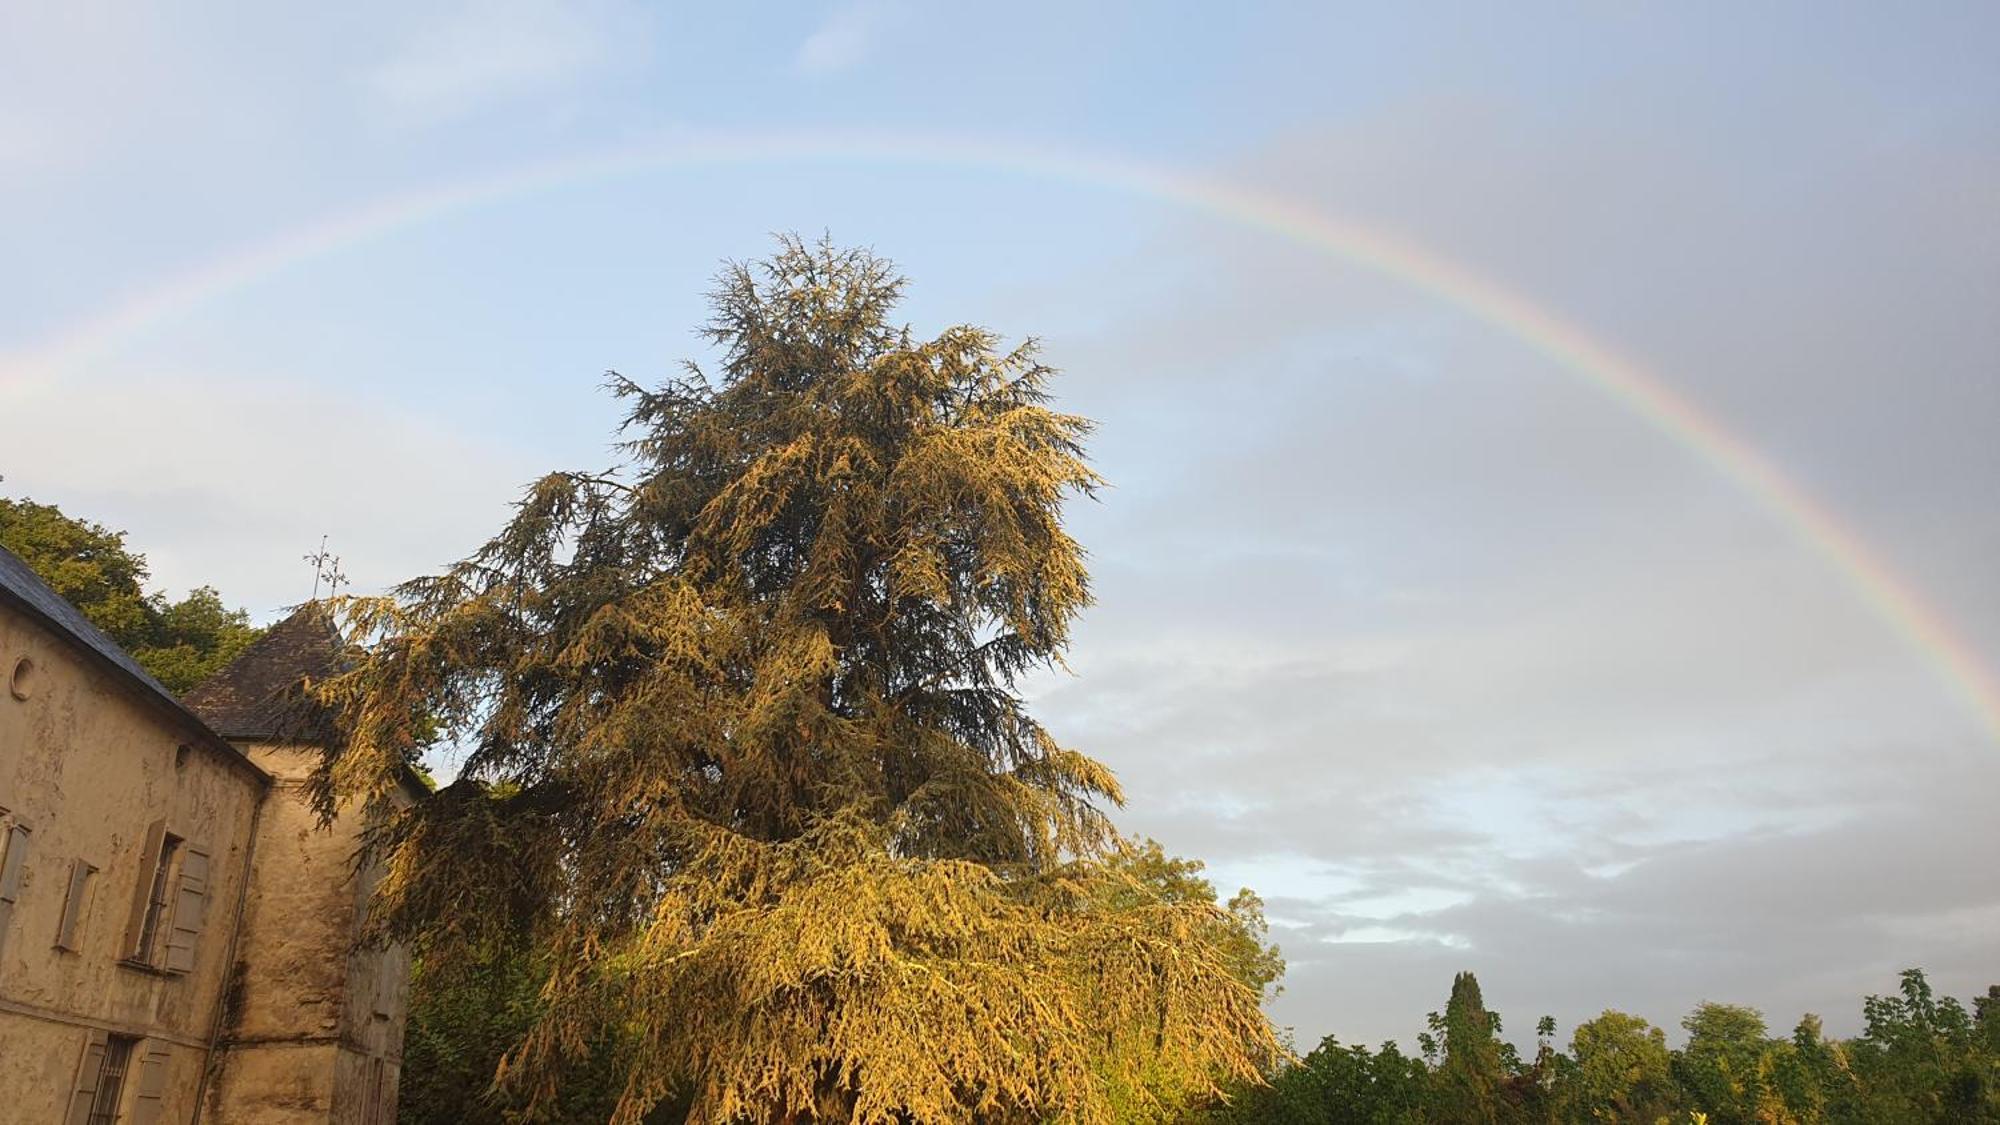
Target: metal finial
(326,569)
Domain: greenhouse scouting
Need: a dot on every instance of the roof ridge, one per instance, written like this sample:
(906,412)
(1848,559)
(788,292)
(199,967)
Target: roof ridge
(21,587)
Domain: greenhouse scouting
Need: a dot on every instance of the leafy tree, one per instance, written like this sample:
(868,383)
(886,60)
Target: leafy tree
(782,824)
(462,1022)
(1142,869)
(1920,1059)
(85,562)
(1719,1066)
(1923,1059)
(1535,1087)
(1986,1013)
(1808,1077)
(181,643)
(194,638)
(1620,1071)
(1140,872)
(1335,1085)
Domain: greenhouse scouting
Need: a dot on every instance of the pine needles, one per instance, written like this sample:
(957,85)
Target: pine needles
(744,754)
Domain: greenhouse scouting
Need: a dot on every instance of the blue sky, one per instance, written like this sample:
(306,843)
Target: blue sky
(1456,660)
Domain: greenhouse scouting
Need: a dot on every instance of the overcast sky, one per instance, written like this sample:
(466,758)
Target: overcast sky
(1452,656)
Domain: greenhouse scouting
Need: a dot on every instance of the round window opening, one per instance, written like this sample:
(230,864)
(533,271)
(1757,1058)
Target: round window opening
(22,682)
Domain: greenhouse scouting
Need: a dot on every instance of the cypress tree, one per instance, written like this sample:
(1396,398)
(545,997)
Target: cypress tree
(1470,1079)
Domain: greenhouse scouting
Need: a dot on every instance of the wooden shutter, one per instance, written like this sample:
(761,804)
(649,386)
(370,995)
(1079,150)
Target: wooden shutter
(149,862)
(13,863)
(74,906)
(151,1096)
(190,911)
(89,1069)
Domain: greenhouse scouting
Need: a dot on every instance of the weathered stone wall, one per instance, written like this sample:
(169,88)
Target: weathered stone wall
(87,765)
(316,1025)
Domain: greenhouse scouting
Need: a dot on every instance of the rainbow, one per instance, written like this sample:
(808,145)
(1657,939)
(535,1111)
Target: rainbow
(1620,379)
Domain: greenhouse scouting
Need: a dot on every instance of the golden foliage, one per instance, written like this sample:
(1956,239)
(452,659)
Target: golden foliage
(742,746)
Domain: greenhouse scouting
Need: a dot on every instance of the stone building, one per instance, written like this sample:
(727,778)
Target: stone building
(177,928)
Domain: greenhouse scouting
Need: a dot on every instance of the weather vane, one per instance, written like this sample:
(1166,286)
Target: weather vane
(326,568)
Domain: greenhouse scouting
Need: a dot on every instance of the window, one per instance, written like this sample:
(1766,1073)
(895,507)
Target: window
(13,868)
(169,905)
(101,1079)
(13,858)
(75,905)
(156,900)
(111,1066)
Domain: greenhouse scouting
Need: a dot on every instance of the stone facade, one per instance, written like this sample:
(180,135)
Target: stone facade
(177,928)
(315,1028)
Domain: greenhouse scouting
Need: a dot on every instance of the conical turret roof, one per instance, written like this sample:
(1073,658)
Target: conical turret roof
(255,696)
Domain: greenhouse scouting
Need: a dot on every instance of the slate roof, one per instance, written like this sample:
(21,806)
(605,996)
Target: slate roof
(23,589)
(253,698)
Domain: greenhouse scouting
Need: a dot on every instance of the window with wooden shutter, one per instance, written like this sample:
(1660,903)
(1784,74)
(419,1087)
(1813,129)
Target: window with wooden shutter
(75,905)
(149,1098)
(13,861)
(152,898)
(89,1069)
(190,911)
(100,1079)
(13,869)
(149,862)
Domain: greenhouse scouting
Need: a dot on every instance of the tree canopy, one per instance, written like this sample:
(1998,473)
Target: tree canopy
(744,756)
(1921,1060)
(181,643)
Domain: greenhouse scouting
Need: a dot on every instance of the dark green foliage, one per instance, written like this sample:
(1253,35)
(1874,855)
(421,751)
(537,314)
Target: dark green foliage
(181,643)
(1336,1085)
(464,1019)
(1923,1060)
(1469,1082)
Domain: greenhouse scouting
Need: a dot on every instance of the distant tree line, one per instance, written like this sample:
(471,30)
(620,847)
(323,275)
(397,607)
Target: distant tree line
(1922,1058)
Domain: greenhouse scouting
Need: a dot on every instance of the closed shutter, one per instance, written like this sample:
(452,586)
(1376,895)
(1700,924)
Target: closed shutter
(13,863)
(149,862)
(190,911)
(89,1070)
(151,1096)
(74,906)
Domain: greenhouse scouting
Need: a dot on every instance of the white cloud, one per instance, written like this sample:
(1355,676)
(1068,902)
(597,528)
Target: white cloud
(227,481)
(1408,607)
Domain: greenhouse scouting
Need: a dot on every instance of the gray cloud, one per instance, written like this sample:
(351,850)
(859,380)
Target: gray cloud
(1455,659)
(1467,667)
